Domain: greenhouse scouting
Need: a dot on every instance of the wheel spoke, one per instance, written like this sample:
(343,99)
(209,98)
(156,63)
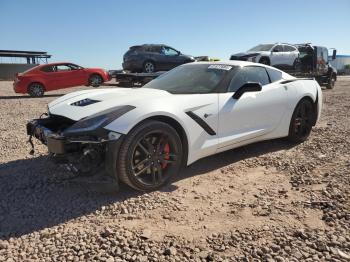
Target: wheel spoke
(159,173)
(141,163)
(143,169)
(149,145)
(143,148)
(297,124)
(154,180)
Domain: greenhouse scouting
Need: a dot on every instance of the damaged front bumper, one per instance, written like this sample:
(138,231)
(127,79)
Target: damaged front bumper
(56,144)
(83,153)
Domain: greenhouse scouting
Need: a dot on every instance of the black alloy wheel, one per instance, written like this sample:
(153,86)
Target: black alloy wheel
(302,121)
(150,156)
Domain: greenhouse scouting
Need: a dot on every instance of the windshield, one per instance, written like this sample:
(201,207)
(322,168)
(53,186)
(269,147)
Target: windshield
(191,79)
(261,48)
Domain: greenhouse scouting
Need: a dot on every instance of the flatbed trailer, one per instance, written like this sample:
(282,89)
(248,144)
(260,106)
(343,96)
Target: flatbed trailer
(314,63)
(128,79)
(131,79)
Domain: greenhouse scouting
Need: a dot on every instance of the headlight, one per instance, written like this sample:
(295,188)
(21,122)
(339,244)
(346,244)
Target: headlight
(98,120)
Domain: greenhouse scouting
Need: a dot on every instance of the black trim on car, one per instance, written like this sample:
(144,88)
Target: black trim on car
(201,123)
(295,79)
(315,109)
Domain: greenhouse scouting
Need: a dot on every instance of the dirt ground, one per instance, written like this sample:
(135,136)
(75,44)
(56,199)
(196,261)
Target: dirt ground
(269,201)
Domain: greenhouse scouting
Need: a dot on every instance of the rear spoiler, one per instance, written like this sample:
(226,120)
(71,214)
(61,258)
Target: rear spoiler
(295,79)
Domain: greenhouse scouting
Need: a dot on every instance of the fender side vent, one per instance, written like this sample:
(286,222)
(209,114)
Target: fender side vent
(201,122)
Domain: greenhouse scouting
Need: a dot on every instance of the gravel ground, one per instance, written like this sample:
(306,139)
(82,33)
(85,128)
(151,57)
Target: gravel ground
(264,202)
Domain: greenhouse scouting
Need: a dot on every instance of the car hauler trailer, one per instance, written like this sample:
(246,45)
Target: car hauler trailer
(127,79)
(314,62)
(131,79)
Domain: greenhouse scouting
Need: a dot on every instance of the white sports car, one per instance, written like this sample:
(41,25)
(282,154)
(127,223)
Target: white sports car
(143,136)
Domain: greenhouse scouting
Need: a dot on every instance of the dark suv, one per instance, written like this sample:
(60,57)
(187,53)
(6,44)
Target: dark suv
(151,58)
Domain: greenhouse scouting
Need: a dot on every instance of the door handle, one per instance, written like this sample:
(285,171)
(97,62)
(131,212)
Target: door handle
(207,115)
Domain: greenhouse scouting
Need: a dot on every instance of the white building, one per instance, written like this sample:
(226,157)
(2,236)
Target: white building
(340,62)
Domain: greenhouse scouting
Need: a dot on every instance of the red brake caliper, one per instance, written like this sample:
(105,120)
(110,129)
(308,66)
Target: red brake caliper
(166,152)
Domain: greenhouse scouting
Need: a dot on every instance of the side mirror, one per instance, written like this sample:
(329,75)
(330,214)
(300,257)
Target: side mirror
(275,51)
(247,87)
(334,55)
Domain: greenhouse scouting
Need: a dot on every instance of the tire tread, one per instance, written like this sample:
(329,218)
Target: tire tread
(122,170)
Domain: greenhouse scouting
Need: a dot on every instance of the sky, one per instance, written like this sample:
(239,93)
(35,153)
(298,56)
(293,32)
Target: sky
(96,33)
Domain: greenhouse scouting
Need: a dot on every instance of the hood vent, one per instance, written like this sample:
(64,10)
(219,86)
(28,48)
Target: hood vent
(85,102)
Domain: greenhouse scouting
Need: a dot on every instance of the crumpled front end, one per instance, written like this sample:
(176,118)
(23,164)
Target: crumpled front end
(83,146)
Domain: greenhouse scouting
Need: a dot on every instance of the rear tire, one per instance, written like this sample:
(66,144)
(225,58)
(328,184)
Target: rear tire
(331,82)
(150,156)
(302,121)
(36,90)
(95,80)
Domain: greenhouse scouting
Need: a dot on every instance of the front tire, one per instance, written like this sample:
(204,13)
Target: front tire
(150,156)
(302,121)
(331,82)
(36,90)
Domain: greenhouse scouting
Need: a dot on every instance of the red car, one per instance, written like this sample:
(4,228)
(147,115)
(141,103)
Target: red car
(47,77)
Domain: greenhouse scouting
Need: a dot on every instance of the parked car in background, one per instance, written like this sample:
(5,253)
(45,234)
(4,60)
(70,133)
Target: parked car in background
(150,58)
(46,77)
(282,56)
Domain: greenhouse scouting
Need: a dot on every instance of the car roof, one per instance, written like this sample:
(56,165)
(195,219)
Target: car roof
(153,45)
(56,63)
(143,45)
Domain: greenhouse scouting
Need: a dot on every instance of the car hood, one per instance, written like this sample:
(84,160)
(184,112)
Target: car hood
(107,98)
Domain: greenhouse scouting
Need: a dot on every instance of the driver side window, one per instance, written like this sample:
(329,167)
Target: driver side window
(248,74)
(169,51)
(73,67)
(60,68)
(278,48)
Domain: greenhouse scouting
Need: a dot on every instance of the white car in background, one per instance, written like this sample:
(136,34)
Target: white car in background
(282,56)
(143,136)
